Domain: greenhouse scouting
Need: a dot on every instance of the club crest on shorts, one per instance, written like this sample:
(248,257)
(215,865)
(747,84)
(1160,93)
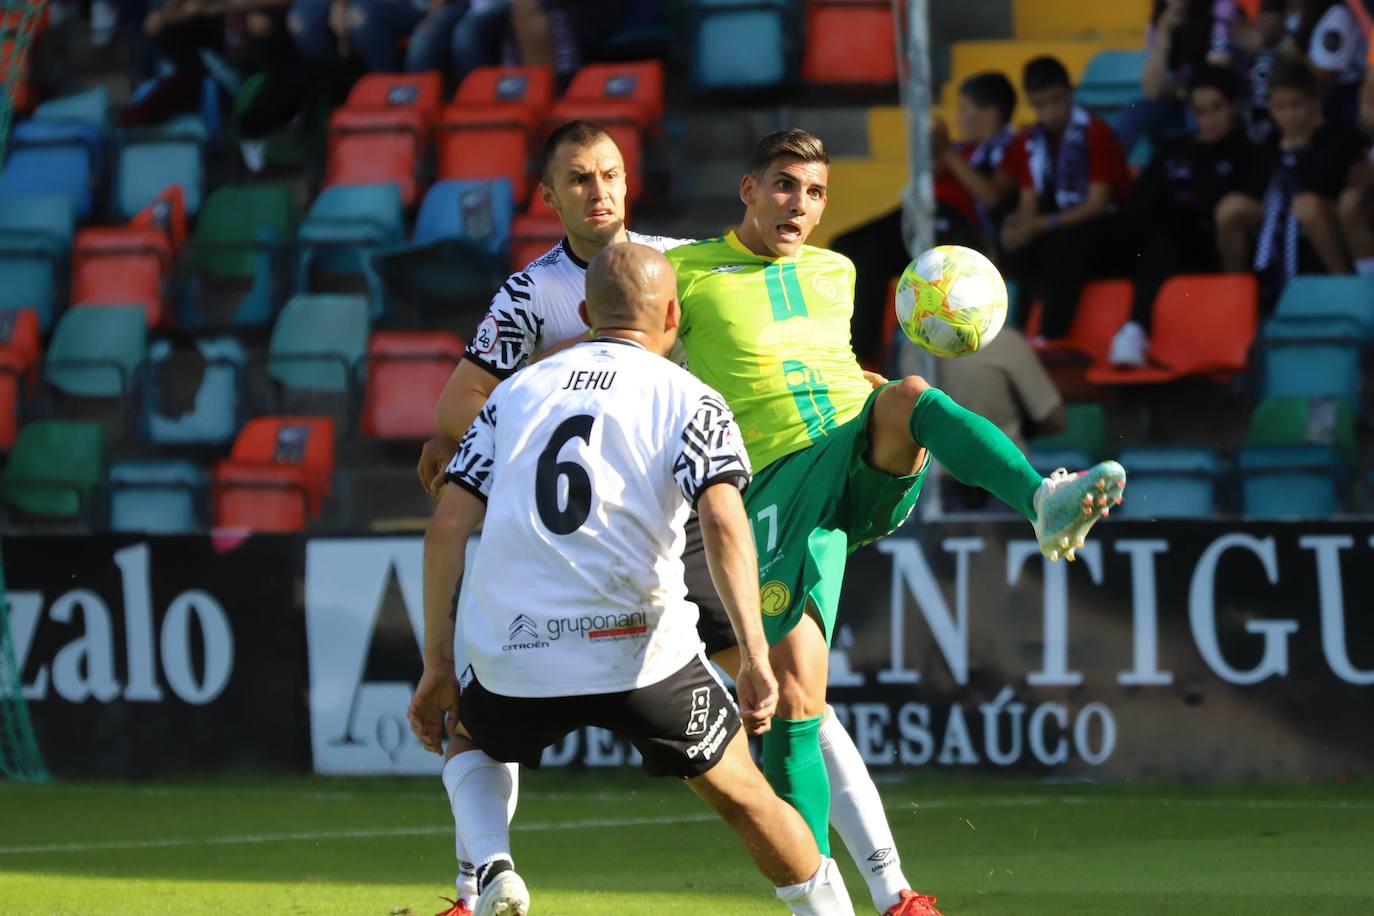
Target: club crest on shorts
(701,711)
(775,598)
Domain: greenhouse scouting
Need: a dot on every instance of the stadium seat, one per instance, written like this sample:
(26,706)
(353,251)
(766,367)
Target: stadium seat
(421,92)
(850,42)
(1304,481)
(122,266)
(1103,307)
(1047,460)
(1085,431)
(492,126)
(260,497)
(406,371)
(479,212)
(533,232)
(1326,297)
(1300,420)
(91,107)
(1203,325)
(344,224)
(238,244)
(147,162)
(381,134)
(1311,358)
(1170,482)
(154,496)
(318,341)
(54,468)
(53,157)
(35,239)
(192,394)
(742,44)
(19,350)
(306,443)
(1111,80)
(95,352)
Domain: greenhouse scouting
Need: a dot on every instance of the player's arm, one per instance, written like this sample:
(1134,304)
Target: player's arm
(467,389)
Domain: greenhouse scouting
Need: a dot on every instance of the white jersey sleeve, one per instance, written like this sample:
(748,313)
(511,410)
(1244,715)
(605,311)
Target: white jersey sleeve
(472,464)
(509,334)
(710,450)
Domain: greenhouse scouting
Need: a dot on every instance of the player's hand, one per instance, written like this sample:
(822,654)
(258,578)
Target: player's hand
(757,690)
(433,711)
(874,379)
(434,457)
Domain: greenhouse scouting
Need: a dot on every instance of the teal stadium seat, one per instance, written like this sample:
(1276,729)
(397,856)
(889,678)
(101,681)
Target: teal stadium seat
(743,44)
(1312,358)
(96,352)
(155,496)
(90,107)
(148,162)
(345,224)
(318,342)
(1294,481)
(1327,297)
(176,412)
(1047,460)
(1085,431)
(1170,482)
(35,240)
(1111,80)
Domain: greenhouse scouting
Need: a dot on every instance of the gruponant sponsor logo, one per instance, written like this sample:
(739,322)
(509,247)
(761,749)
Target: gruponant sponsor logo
(599,626)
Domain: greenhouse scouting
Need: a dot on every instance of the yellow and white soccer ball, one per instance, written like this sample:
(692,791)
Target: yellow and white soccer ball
(951,300)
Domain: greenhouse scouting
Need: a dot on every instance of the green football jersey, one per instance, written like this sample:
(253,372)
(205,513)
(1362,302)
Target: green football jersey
(772,336)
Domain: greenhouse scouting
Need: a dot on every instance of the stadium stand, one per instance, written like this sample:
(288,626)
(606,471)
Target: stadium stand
(742,44)
(493,125)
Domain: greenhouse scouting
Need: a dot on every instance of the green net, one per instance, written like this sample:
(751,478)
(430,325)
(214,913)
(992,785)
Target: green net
(19,755)
(19,22)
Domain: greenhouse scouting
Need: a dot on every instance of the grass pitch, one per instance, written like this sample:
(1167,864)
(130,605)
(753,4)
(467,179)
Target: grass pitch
(593,843)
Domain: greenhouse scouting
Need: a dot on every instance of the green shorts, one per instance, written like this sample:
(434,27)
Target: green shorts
(809,510)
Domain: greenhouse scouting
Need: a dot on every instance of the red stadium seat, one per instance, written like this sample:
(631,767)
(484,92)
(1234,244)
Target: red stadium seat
(122,266)
(369,146)
(1203,325)
(490,129)
(1103,307)
(421,92)
(406,371)
(849,42)
(634,90)
(260,497)
(305,442)
(19,337)
(167,214)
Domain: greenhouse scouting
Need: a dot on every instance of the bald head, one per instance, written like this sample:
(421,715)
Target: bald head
(631,287)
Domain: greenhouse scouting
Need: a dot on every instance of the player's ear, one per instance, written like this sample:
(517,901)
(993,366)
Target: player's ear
(546,194)
(746,188)
(673,320)
(582,313)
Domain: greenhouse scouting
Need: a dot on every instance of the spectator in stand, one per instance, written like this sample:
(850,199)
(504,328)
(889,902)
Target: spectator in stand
(1072,174)
(1328,34)
(972,194)
(1357,200)
(1175,199)
(450,35)
(562,34)
(1184,36)
(1298,225)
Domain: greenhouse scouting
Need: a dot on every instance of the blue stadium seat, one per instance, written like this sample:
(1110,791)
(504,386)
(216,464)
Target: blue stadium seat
(35,239)
(1311,358)
(345,224)
(1170,482)
(1111,80)
(318,342)
(174,414)
(148,162)
(1327,297)
(95,352)
(155,496)
(1291,481)
(91,107)
(54,157)
(742,44)
(479,212)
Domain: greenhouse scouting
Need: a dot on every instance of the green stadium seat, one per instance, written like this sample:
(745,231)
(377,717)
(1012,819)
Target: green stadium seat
(1299,420)
(238,244)
(54,467)
(95,352)
(318,341)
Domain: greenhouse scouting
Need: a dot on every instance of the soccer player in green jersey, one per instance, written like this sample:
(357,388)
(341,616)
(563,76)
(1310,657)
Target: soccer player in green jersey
(837,462)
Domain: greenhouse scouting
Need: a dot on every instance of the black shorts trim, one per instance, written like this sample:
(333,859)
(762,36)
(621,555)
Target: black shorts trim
(680,725)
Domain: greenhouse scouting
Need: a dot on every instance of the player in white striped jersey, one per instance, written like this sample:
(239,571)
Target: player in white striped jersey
(576,613)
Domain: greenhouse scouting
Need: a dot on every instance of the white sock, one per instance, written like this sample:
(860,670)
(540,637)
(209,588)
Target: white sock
(480,792)
(823,895)
(856,813)
(1364,266)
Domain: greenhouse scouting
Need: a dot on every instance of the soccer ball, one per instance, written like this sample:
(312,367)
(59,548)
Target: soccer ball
(951,301)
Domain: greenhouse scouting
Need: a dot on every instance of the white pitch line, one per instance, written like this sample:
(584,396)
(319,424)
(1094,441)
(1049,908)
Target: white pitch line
(362,834)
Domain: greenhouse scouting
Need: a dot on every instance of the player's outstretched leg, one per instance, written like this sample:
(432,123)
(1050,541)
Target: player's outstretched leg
(778,841)
(910,415)
(481,788)
(466,881)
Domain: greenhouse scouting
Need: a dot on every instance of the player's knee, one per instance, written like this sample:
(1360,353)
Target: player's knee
(797,701)
(905,392)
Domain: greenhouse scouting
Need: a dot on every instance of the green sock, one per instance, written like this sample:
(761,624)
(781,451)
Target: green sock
(793,764)
(974,451)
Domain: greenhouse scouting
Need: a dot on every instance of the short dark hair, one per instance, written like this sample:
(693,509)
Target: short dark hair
(1222,79)
(798,143)
(1044,73)
(581,133)
(990,88)
(1294,73)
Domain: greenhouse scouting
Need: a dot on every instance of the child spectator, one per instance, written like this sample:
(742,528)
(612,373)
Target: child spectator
(1072,175)
(969,185)
(1174,200)
(1357,200)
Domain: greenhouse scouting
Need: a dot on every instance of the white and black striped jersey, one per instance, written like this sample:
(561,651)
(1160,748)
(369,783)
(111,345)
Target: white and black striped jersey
(537,308)
(589,462)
